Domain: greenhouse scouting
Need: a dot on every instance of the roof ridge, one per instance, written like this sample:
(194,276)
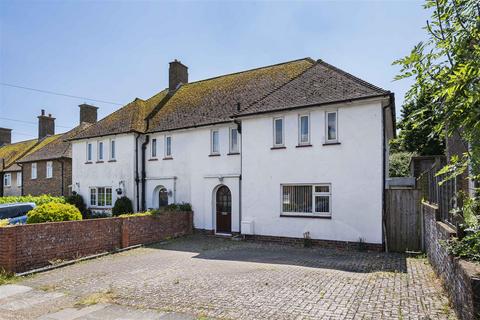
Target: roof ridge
(351,76)
(276,89)
(253,69)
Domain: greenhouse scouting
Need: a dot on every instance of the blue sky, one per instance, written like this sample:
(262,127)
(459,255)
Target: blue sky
(116,51)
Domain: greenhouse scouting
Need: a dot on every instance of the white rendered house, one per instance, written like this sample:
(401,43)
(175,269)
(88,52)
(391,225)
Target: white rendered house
(276,151)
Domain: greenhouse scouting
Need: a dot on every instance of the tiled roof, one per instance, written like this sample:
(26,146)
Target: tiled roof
(321,84)
(215,100)
(130,118)
(12,152)
(54,147)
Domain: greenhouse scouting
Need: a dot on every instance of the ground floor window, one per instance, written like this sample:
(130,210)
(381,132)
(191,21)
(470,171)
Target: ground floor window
(306,199)
(101,196)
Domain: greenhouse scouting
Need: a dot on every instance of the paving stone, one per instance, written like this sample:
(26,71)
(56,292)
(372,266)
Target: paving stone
(28,300)
(12,289)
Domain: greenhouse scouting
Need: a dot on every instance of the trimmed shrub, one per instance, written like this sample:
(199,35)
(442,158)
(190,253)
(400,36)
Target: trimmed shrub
(174,207)
(122,205)
(38,200)
(52,212)
(77,201)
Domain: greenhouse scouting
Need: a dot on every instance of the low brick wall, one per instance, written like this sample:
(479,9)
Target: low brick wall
(460,278)
(26,247)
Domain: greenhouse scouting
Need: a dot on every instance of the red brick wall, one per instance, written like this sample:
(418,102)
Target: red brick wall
(27,247)
(42,184)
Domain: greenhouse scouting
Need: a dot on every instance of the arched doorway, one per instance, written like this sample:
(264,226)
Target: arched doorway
(162,198)
(223,210)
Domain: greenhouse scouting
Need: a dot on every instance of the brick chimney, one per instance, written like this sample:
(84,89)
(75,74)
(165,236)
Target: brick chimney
(46,125)
(88,113)
(177,74)
(5,136)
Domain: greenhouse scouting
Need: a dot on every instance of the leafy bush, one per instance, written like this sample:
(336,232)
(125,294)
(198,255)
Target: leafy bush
(3,222)
(399,164)
(77,201)
(122,205)
(466,248)
(51,212)
(174,207)
(38,200)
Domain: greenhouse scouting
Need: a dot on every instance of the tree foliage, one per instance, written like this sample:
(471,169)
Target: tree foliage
(399,164)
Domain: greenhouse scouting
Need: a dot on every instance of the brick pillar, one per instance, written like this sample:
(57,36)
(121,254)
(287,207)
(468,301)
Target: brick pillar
(8,252)
(125,237)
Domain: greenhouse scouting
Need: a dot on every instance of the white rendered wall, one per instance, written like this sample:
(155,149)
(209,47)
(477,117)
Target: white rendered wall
(353,168)
(108,173)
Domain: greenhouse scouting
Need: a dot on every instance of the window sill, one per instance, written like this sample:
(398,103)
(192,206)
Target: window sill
(279,147)
(167,158)
(305,216)
(88,162)
(214,155)
(233,153)
(99,161)
(304,145)
(100,208)
(153,159)
(113,160)
(331,143)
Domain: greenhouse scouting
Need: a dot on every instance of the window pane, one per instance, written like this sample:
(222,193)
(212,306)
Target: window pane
(304,129)
(297,199)
(89,151)
(332,126)
(234,141)
(214,141)
(322,204)
(108,196)
(279,131)
(154,148)
(112,149)
(19,179)
(101,197)
(100,150)
(322,189)
(168,148)
(93,197)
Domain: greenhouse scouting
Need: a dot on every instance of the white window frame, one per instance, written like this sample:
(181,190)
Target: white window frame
(212,144)
(113,149)
(89,151)
(49,169)
(33,171)
(19,178)
(336,126)
(100,151)
(300,142)
(7,180)
(168,154)
(313,213)
(275,132)
(154,148)
(231,149)
(96,189)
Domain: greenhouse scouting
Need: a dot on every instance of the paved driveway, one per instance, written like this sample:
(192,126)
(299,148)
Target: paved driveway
(200,276)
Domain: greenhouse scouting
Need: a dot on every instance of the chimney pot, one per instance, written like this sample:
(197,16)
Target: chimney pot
(177,74)
(88,113)
(5,136)
(46,125)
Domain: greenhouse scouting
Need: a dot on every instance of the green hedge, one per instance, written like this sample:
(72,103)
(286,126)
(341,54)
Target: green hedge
(52,212)
(174,207)
(38,200)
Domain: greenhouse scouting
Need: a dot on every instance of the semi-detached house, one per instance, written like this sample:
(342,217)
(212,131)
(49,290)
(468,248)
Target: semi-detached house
(279,151)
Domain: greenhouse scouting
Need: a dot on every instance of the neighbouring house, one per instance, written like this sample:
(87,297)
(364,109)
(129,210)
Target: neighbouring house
(47,168)
(10,171)
(275,152)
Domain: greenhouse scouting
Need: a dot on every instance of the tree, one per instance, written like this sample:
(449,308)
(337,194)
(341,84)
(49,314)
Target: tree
(446,68)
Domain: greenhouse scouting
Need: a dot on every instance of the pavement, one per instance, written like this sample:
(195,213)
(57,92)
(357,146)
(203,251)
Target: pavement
(203,277)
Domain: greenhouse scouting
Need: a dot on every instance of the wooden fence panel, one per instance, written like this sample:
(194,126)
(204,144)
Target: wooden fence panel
(403,220)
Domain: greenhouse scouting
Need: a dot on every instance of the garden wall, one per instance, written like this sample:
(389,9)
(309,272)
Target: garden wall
(26,247)
(460,278)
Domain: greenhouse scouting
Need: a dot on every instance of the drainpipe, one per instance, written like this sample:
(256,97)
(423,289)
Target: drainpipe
(144,173)
(137,180)
(239,129)
(23,178)
(391,104)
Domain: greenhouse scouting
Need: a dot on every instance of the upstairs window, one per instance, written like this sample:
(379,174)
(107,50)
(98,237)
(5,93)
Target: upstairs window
(89,151)
(34,171)
(234,140)
(306,199)
(49,169)
(19,179)
(331,126)
(215,148)
(100,151)
(7,179)
(278,132)
(154,148)
(112,150)
(168,146)
(304,129)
